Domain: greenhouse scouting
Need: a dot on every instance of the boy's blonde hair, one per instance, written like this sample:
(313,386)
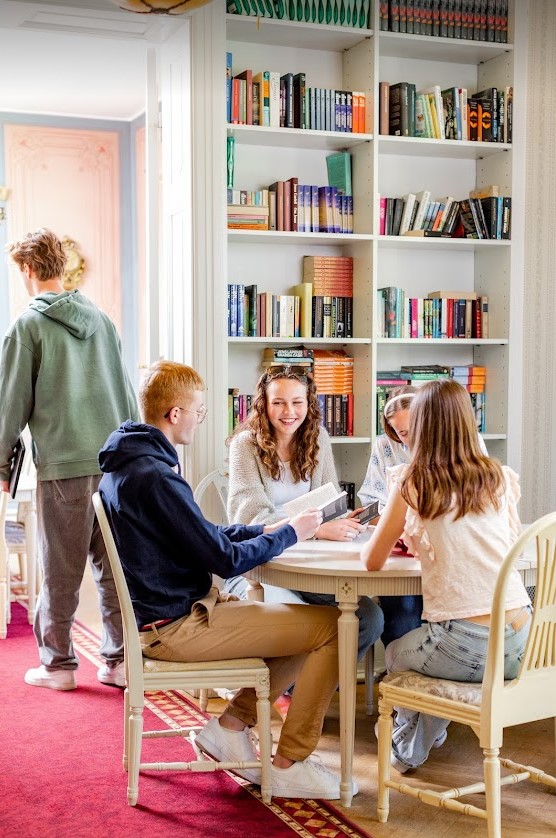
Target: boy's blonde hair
(42,251)
(166,383)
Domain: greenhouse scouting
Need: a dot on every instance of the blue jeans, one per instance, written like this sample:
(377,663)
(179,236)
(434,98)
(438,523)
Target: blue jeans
(453,649)
(371,621)
(402,614)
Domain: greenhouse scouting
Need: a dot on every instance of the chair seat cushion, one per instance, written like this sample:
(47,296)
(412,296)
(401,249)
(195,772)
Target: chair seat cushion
(451,690)
(150,665)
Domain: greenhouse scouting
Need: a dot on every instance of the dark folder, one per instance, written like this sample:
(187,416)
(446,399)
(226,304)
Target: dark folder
(17,464)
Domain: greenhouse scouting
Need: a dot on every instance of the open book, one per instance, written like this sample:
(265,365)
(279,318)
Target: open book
(16,466)
(331,503)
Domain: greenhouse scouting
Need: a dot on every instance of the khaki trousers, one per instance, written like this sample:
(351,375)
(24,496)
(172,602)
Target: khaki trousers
(299,644)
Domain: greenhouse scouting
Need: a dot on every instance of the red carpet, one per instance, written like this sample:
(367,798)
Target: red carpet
(61,775)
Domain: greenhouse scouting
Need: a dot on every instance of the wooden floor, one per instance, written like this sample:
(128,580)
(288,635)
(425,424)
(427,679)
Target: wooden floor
(527,809)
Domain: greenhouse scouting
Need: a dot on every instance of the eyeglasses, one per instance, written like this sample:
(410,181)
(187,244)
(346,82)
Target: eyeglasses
(201,413)
(288,371)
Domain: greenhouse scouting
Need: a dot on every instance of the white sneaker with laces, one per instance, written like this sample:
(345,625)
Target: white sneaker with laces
(53,679)
(230,746)
(113,676)
(307,779)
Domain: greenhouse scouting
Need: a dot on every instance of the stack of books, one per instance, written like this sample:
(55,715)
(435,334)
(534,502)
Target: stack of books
(333,375)
(295,356)
(331,281)
(248,210)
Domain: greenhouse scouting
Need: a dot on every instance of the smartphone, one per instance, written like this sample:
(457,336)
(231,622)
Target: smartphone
(368,513)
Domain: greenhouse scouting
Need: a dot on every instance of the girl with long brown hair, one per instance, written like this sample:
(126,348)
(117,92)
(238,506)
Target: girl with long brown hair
(457,510)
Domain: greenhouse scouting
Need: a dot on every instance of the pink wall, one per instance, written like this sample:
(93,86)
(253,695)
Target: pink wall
(68,180)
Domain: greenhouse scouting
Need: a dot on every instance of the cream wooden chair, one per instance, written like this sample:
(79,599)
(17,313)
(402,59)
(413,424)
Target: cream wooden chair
(218,481)
(144,675)
(490,707)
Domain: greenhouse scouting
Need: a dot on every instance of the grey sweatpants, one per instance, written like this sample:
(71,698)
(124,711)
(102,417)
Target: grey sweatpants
(68,534)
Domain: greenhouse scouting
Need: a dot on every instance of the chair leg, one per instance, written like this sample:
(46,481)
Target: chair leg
(491,769)
(369,680)
(135,722)
(4,606)
(265,735)
(203,699)
(125,755)
(385,728)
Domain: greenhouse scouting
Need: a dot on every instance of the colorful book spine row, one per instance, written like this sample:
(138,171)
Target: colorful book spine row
(337,413)
(474,20)
(239,406)
(401,316)
(417,215)
(263,314)
(352,13)
(248,210)
(446,114)
(276,100)
(302,208)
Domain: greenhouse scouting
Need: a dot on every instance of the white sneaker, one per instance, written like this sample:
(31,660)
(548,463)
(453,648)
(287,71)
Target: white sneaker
(113,676)
(53,679)
(307,779)
(230,746)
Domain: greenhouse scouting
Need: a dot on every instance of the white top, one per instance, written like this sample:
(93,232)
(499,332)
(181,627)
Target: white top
(460,560)
(386,454)
(286,489)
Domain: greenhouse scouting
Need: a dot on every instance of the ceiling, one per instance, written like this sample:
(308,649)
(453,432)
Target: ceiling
(75,58)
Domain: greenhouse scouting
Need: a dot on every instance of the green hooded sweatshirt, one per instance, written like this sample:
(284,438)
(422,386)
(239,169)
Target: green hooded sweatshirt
(62,372)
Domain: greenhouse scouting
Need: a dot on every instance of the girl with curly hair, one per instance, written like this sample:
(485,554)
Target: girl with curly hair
(281,452)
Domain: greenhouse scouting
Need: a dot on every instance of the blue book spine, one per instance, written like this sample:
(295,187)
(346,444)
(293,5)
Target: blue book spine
(240,311)
(233,311)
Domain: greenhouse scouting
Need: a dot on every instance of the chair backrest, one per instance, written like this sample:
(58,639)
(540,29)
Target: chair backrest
(219,481)
(531,695)
(133,653)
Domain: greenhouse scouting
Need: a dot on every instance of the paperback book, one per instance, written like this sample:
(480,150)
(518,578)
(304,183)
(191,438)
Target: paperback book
(331,503)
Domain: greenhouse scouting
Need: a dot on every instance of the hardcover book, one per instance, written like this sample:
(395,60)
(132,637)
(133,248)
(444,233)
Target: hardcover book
(331,503)
(16,466)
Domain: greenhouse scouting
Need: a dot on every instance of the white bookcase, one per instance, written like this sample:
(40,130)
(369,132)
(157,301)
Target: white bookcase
(347,59)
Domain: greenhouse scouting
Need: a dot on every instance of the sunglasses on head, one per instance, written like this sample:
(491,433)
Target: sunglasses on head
(287,371)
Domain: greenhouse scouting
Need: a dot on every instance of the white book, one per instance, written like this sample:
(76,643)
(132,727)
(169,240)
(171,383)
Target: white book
(409,203)
(424,198)
(332,504)
(274,99)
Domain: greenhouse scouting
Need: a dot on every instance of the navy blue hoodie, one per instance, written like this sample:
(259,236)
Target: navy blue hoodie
(168,549)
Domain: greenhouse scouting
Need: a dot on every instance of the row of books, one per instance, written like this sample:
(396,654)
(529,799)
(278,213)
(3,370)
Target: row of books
(470,376)
(446,114)
(300,314)
(273,100)
(478,20)
(248,209)
(443,314)
(416,214)
(352,13)
(308,208)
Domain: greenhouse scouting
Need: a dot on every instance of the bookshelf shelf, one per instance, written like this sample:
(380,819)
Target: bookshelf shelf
(444,341)
(292,34)
(425,147)
(269,341)
(451,244)
(258,135)
(295,239)
(427,48)
(350,440)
